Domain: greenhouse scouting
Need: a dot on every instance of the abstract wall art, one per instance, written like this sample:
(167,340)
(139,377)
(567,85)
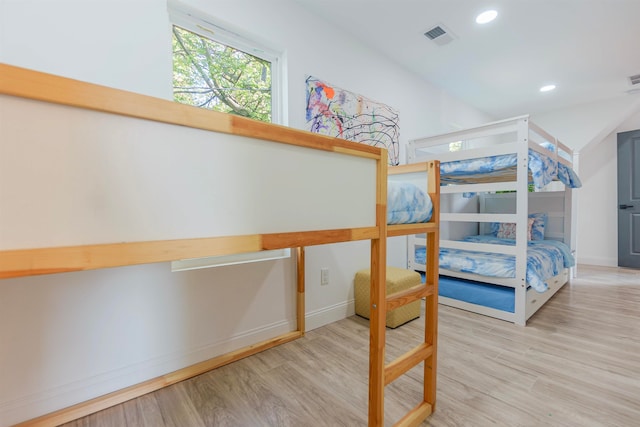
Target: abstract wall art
(338,112)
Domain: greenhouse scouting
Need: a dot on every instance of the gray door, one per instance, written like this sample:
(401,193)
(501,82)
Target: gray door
(629,199)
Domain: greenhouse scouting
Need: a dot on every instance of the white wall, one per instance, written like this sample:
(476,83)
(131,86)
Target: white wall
(118,43)
(80,335)
(598,199)
(588,124)
(592,130)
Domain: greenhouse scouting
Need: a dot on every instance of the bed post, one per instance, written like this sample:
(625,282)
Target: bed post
(571,220)
(378,303)
(522,213)
(431,278)
(300,299)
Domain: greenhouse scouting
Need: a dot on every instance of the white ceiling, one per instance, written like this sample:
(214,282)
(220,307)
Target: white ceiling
(588,48)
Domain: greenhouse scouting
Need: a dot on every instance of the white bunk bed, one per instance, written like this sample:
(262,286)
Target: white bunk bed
(103,178)
(487,193)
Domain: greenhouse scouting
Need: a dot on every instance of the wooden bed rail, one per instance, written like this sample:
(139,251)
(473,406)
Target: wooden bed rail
(31,262)
(16,261)
(30,84)
(429,172)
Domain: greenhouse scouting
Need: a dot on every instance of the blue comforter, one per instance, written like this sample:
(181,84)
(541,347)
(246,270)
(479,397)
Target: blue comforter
(544,169)
(407,203)
(545,259)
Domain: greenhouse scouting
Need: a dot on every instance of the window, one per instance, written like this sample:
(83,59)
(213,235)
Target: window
(219,77)
(221,70)
(455,146)
(218,69)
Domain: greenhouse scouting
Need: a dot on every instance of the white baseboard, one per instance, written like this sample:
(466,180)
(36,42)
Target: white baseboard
(603,261)
(26,407)
(326,315)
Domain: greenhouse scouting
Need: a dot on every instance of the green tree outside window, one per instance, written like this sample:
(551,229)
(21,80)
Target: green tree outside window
(218,77)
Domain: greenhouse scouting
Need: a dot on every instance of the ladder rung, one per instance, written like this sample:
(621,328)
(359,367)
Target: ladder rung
(398,299)
(407,361)
(416,416)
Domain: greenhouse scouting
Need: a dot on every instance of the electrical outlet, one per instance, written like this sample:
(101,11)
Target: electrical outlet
(324,276)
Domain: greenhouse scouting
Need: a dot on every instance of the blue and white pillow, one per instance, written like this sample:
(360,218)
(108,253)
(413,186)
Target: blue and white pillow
(537,228)
(539,223)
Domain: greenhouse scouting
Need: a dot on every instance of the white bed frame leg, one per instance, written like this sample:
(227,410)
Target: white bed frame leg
(520,305)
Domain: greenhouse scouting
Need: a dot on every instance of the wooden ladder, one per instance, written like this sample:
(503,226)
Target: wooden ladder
(381,374)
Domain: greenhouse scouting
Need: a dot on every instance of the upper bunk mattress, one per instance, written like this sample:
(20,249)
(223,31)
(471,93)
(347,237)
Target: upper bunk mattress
(407,203)
(543,169)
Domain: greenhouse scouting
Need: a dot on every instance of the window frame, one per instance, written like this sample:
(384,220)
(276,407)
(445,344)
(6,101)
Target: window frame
(217,31)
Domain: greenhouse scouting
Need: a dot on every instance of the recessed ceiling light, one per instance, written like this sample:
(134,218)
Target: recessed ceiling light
(486,16)
(547,88)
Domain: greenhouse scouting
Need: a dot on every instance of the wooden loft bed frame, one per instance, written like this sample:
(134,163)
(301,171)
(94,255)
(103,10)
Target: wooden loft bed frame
(82,116)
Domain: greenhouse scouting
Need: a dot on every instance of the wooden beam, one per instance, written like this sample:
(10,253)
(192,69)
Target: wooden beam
(377,308)
(25,83)
(29,262)
(300,295)
(407,296)
(415,417)
(407,361)
(320,237)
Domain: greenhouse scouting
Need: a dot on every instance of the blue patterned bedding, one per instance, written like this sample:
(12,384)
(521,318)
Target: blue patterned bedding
(407,203)
(545,259)
(544,169)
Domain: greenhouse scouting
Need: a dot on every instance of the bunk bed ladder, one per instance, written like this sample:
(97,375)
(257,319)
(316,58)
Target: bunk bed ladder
(425,351)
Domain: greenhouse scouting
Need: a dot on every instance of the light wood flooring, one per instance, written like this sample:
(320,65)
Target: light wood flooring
(576,363)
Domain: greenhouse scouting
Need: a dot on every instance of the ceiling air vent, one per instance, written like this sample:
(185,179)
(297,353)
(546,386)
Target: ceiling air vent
(435,32)
(440,35)
(635,79)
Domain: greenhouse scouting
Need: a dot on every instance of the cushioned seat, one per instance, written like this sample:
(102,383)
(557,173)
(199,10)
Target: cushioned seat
(398,279)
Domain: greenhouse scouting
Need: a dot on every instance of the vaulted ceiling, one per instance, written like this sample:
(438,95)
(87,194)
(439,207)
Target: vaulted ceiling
(587,48)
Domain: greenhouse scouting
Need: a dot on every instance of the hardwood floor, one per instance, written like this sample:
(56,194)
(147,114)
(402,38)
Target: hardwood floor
(576,363)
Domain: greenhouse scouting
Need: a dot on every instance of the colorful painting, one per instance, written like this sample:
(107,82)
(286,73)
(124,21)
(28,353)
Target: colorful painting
(337,112)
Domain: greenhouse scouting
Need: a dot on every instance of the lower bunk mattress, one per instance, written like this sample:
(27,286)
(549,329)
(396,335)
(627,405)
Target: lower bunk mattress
(545,260)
